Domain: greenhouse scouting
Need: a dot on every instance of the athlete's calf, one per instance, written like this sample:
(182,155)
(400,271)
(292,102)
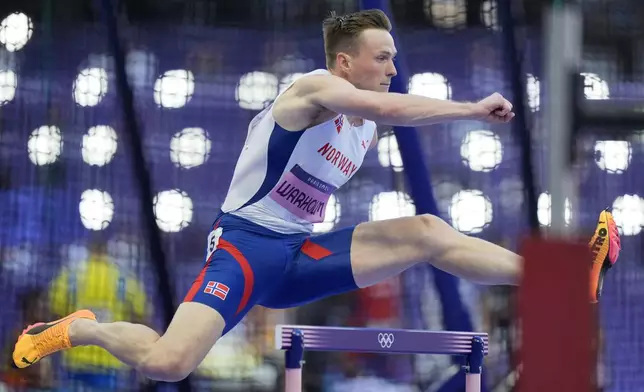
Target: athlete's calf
(195,328)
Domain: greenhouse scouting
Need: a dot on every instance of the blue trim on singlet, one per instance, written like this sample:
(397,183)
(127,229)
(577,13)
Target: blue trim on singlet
(280,147)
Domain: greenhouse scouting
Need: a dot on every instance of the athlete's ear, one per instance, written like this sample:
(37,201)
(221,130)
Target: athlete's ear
(343,61)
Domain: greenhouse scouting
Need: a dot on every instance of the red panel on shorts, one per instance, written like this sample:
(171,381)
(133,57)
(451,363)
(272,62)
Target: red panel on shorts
(314,250)
(196,286)
(249,277)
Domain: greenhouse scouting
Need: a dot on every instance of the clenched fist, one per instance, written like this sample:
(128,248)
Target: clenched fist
(493,109)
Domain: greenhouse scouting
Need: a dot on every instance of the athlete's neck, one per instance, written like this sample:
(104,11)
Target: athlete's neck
(355,121)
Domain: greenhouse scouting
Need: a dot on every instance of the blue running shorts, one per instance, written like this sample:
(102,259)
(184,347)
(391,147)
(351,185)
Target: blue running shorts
(247,264)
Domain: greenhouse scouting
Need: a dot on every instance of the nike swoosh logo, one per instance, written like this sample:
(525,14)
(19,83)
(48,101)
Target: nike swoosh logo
(43,327)
(25,360)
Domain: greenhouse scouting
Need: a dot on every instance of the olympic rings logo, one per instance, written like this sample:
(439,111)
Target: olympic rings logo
(386,340)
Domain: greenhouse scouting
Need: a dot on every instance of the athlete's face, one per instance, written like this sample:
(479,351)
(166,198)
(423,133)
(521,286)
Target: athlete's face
(371,67)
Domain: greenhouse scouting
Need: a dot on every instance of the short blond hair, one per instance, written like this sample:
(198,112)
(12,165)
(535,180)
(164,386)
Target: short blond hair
(341,32)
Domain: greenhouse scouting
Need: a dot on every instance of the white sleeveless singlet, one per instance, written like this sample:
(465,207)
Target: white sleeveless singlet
(283,180)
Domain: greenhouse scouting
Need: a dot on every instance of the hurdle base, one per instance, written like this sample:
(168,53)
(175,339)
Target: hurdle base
(293,380)
(473,382)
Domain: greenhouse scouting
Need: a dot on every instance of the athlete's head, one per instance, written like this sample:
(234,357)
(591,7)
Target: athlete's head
(360,48)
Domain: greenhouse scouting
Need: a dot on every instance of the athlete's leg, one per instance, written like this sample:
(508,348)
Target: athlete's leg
(352,258)
(193,331)
(368,253)
(195,328)
(385,248)
(220,297)
(225,290)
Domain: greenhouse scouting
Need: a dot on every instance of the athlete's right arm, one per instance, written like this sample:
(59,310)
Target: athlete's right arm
(338,95)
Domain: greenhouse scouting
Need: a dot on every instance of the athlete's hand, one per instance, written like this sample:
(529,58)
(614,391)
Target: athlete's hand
(494,109)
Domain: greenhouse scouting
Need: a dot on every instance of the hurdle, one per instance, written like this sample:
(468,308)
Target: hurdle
(295,339)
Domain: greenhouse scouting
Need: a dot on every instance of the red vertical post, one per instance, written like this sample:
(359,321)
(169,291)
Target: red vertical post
(557,319)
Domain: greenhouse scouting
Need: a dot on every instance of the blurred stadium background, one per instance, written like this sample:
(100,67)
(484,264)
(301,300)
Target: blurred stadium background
(71,228)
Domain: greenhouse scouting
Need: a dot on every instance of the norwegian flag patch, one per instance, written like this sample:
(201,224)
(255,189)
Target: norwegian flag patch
(217,289)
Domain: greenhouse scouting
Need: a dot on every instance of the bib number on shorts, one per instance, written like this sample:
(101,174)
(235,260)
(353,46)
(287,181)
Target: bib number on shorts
(213,241)
(302,194)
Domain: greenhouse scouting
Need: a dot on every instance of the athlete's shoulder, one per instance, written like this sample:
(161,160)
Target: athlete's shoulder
(294,109)
(317,80)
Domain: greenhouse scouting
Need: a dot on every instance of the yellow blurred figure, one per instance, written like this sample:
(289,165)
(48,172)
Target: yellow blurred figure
(112,293)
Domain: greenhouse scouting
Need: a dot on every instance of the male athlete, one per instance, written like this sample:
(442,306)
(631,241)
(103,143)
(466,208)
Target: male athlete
(298,151)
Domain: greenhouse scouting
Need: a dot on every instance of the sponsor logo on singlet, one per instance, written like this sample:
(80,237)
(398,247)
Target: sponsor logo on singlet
(302,194)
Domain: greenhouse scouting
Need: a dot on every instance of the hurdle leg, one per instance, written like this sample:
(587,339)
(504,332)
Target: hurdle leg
(474,366)
(293,363)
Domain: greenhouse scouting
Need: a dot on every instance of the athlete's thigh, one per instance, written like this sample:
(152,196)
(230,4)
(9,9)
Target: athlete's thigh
(320,266)
(382,249)
(240,267)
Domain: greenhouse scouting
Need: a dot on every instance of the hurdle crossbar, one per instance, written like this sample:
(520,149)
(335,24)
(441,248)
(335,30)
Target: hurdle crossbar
(294,339)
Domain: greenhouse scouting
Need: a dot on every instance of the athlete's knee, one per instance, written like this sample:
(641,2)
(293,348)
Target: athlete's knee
(195,328)
(166,365)
(431,222)
(437,235)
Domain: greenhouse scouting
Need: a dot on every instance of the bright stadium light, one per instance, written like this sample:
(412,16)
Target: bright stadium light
(90,86)
(446,14)
(332,216)
(255,90)
(190,148)
(613,156)
(430,84)
(595,87)
(390,205)
(174,89)
(44,145)
(628,211)
(544,210)
(99,145)
(489,14)
(15,31)
(482,150)
(8,85)
(288,79)
(533,87)
(389,154)
(96,209)
(173,210)
(470,211)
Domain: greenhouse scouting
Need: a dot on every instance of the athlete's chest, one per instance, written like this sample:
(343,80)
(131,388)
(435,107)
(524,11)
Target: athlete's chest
(335,149)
